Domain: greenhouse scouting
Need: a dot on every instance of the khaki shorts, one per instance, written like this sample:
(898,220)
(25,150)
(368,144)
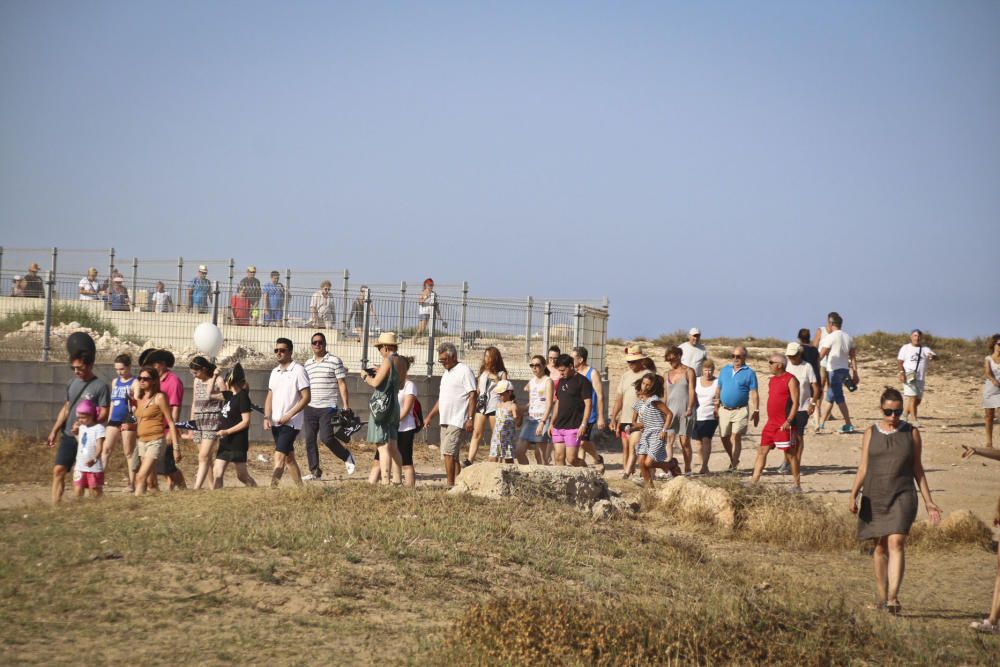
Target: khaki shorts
(452,439)
(146,449)
(733,421)
(913,389)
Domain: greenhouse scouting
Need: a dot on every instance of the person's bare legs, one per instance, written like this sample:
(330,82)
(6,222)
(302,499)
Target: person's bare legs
(205,458)
(218,471)
(737,449)
(793,463)
(147,466)
(243,474)
(282,461)
(78,491)
(389,462)
(758,466)
(478,429)
(560,453)
(988,418)
(995,607)
(897,566)
(587,447)
(112,434)
(800,445)
(521,452)
(686,452)
(844,411)
(706,453)
(880,561)
(727,444)
(409,476)
(128,446)
(632,460)
(451,465)
(58,483)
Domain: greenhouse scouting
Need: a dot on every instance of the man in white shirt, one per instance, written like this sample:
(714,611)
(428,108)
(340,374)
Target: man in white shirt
(836,352)
(693,353)
(912,360)
(287,396)
(327,391)
(808,390)
(456,404)
(322,312)
(89,287)
(162,303)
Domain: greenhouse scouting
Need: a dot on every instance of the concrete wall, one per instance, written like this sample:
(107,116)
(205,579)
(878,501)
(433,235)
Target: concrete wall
(32,392)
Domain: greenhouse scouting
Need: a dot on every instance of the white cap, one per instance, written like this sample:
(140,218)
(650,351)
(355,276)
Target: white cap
(792,349)
(202,267)
(502,386)
(694,331)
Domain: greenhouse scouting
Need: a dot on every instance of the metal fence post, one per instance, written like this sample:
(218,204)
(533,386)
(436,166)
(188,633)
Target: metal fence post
(402,306)
(577,323)
(527,331)
(430,334)
(215,303)
(546,325)
(180,283)
(111,268)
(343,312)
(232,267)
(1,259)
(288,297)
(462,322)
(366,323)
(135,282)
(50,285)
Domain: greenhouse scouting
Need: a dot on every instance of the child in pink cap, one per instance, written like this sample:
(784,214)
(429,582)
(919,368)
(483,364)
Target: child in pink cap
(89,471)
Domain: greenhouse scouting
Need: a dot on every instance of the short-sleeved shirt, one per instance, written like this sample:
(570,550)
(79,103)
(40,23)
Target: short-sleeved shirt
(285,385)
(693,356)
(162,302)
(840,345)
(323,305)
(86,448)
(453,395)
(96,391)
(275,295)
(735,386)
(173,390)
(251,287)
(805,374)
(200,287)
(626,389)
(909,355)
(120,394)
(234,406)
(810,355)
(570,396)
(324,390)
(407,423)
(90,285)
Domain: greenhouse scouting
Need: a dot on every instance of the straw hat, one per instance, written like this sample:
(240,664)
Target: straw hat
(387,338)
(635,353)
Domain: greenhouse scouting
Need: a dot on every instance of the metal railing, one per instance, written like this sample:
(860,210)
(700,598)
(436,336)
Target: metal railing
(144,303)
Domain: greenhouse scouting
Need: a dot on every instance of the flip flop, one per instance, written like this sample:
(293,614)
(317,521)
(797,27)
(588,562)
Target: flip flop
(875,606)
(894,608)
(985,626)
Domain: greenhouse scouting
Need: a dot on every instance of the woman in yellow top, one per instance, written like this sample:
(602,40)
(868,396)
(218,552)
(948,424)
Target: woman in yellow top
(151,414)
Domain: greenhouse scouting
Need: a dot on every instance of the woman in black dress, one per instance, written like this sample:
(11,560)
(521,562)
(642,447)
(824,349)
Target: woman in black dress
(889,475)
(234,429)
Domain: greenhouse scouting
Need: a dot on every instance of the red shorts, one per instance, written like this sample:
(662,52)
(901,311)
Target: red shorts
(773,436)
(90,480)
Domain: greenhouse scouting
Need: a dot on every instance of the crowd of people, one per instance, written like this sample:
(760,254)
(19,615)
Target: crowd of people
(654,415)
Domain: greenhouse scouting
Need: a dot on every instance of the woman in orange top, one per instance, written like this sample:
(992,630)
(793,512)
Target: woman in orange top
(151,413)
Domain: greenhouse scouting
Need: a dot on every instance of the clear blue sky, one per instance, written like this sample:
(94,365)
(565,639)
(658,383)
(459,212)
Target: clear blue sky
(744,167)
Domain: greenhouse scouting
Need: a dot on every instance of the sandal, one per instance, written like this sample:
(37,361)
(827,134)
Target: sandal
(875,606)
(985,626)
(895,607)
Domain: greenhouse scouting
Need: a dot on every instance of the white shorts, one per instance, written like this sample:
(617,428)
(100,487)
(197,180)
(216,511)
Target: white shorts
(915,388)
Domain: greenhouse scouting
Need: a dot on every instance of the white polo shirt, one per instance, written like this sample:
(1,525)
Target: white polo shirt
(453,398)
(285,385)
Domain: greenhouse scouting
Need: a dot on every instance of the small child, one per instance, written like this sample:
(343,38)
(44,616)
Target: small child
(507,420)
(650,415)
(90,444)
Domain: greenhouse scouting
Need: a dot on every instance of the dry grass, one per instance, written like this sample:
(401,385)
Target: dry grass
(955,356)
(960,530)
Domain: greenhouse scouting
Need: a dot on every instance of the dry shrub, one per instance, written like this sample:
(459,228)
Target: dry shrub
(25,458)
(747,627)
(961,528)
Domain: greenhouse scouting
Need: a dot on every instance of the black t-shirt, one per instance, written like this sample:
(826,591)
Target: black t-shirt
(810,355)
(233,408)
(571,394)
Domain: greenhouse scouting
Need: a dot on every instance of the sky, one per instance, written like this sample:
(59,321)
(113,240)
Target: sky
(741,167)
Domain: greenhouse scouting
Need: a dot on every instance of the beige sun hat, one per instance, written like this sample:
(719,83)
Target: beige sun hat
(387,338)
(635,353)
(792,349)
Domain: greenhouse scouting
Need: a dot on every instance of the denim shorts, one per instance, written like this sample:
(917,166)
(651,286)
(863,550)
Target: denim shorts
(835,392)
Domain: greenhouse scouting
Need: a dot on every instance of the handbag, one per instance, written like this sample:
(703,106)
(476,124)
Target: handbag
(484,398)
(911,376)
(379,405)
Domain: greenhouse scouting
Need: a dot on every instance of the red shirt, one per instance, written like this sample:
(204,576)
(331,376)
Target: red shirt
(241,310)
(173,389)
(779,398)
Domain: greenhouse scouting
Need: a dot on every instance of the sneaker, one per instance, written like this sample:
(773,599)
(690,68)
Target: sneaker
(985,626)
(466,463)
(796,489)
(308,478)
(847,428)
(783,469)
(351,467)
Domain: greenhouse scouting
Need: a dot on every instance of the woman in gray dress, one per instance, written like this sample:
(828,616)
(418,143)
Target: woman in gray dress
(889,475)
(383,432)
(681,399)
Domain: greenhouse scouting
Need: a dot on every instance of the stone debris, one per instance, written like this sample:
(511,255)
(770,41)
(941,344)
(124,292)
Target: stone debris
(695,498)
(580,487)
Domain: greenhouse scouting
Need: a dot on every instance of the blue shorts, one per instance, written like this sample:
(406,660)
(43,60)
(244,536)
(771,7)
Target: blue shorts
(284,438)
(529,428)
(835,392)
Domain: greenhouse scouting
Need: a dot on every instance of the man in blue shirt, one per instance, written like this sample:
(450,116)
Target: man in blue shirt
(274,300)
(738,401)
(198,291)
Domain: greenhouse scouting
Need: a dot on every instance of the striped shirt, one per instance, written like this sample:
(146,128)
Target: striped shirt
(323,377)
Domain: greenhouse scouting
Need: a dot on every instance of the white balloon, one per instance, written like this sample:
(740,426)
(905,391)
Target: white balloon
(208,338)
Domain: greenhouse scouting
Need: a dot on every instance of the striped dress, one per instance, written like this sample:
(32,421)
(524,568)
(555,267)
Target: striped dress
(652,423)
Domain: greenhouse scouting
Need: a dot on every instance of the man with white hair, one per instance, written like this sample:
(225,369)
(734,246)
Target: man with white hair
(456,405)
(693,353)
(782,408)
(89,287)
(738,401)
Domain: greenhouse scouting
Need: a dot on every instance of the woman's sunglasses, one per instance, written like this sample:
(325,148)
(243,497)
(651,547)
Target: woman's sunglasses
(888,412)
(534,365)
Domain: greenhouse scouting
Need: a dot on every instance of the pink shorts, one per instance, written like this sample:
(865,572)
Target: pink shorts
(568,436)
(90,480)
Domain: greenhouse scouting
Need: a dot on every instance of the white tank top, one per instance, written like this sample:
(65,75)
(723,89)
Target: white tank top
(536,397)
(706,410)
